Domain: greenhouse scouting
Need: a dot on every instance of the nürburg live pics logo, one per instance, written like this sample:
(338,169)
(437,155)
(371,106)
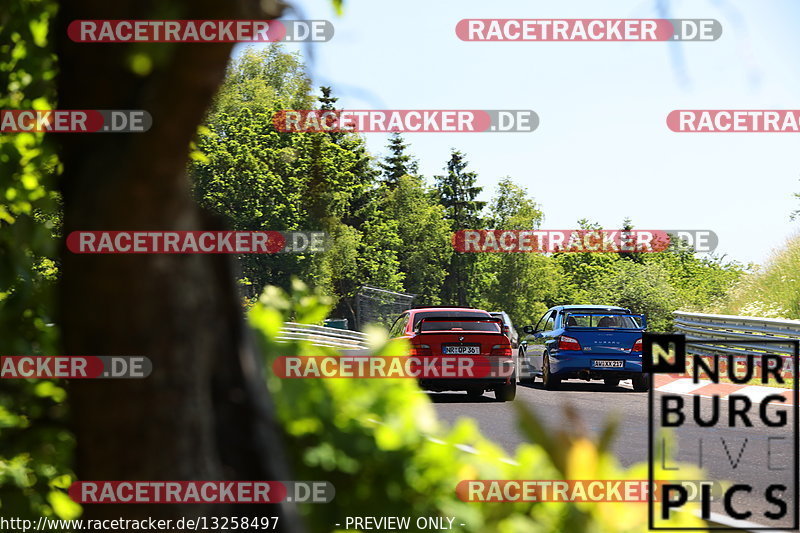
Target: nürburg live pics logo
(724,410)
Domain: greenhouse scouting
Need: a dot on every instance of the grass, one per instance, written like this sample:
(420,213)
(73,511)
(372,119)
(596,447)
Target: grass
(771,291)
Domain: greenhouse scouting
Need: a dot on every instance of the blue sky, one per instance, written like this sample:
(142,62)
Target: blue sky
(602,150)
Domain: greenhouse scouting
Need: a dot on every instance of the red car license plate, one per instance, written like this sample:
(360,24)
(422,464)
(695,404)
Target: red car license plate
(461,350)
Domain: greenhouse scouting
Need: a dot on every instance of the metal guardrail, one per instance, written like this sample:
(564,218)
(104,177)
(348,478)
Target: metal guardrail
(323,336)
(701,326)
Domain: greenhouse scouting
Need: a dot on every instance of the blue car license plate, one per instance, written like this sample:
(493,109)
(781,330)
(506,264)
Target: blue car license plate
(608,364)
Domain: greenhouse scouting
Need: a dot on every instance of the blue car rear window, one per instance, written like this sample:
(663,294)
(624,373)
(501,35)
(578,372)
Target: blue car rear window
(596,320)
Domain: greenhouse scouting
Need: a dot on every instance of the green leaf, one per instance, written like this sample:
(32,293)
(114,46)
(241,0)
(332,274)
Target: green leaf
(63,506)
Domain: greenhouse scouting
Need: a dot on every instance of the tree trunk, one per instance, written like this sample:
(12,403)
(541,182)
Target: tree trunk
(204,413)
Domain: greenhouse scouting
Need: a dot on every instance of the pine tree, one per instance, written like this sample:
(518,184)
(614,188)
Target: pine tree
(398,163)
(458,193)
(327,104)
(326,99)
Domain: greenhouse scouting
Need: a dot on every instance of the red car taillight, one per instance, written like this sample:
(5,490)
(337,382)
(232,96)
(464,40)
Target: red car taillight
(418,350)
(501,350)
(568,343)
(637,346)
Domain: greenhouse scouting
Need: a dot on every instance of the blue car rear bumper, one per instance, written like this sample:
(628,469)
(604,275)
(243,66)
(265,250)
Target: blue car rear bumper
(574,364)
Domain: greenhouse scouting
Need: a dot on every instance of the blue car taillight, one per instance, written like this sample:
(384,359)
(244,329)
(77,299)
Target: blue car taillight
(637,346)
(568,344)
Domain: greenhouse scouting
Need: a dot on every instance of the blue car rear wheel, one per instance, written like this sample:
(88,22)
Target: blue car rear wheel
(550,381)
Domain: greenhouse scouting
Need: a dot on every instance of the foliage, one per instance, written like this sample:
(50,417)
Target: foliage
(654,284)
(424,249)
(458,195)
(522,284)
(35,447)
(398,163)
(644,289)
(28,216)
(771,291)
(700,283)
(257,178)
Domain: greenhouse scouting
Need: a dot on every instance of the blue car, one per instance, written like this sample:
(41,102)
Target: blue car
(584,342)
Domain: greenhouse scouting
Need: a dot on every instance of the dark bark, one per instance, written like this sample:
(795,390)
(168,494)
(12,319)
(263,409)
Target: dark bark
(204,413)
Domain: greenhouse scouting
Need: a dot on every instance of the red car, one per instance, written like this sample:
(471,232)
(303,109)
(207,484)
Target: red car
(461,332)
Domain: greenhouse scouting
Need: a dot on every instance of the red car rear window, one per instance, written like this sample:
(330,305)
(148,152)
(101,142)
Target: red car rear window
(493,327)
